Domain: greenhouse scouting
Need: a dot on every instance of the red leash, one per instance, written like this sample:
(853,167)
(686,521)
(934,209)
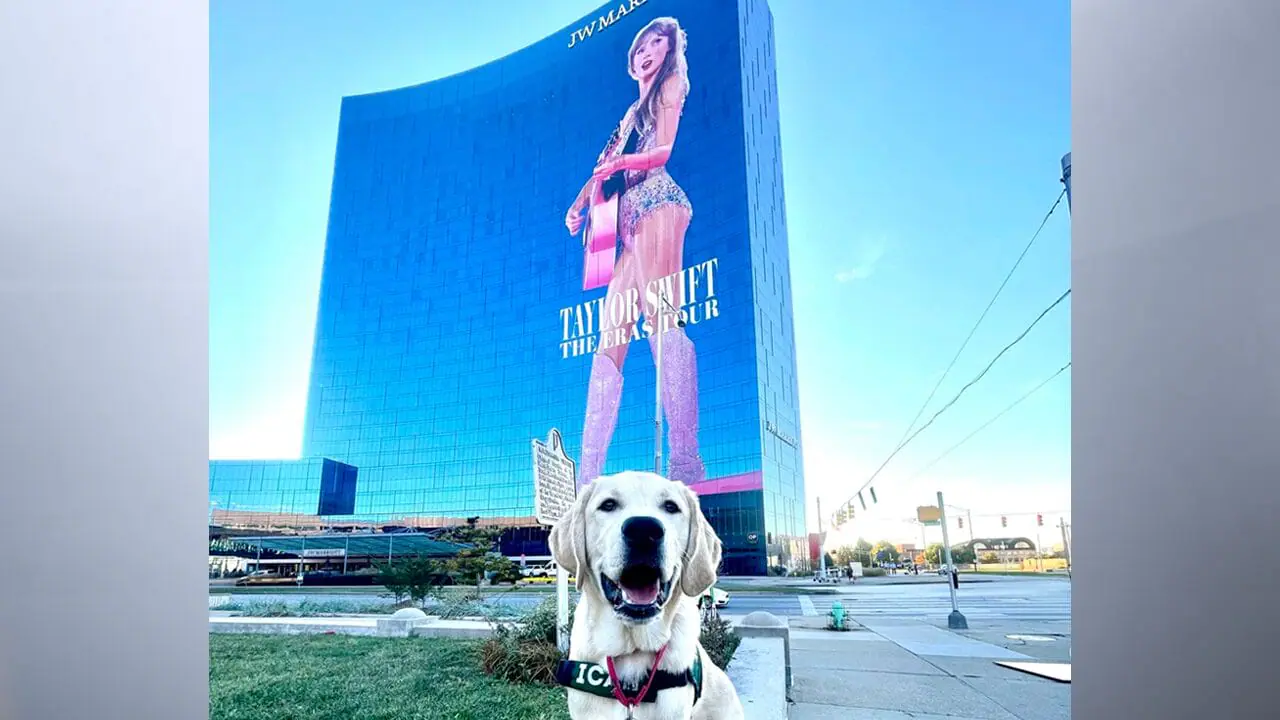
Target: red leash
(630,703)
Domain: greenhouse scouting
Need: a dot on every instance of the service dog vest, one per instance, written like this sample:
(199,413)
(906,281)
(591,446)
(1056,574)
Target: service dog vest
(594,679)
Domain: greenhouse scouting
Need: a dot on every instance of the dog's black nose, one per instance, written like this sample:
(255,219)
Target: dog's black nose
(643,533)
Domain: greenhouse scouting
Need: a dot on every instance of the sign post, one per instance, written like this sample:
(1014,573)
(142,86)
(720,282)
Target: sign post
(554,490)
(955,620)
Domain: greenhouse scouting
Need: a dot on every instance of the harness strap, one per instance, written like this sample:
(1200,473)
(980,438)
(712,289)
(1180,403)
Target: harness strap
(593,679)
(644,689)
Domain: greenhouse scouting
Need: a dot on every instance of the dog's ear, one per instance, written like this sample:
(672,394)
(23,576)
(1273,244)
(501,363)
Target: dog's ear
(568,539)
(702,551)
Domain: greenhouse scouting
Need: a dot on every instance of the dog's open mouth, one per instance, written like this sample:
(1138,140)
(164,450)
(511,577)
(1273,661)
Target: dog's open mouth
(639,593)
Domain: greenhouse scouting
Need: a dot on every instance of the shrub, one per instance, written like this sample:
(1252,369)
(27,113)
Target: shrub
(873,572)
(525,653)
(307,608)
(508,574)
(466,605)
(719,639)
(418,579)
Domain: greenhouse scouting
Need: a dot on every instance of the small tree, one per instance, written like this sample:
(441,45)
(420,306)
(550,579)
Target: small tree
(846,554)
(862,551)
(959,555)
(477,558)
(989,558)
(884,551)
(933,554)
(415,578)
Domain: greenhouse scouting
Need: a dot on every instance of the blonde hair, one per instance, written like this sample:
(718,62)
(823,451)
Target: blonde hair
(674,65)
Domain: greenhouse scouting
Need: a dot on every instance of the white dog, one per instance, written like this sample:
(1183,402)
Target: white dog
(641,552)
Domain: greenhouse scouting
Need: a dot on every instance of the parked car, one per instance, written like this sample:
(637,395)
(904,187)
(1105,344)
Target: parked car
(265,577)
(713,596)
(547,569)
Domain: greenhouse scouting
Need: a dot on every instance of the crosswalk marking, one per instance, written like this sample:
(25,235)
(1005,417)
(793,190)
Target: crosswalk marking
(807,607)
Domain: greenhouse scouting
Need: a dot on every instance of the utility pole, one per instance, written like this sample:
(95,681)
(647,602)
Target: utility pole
(955,620)
(924,544)
(822,556)
(1066,544)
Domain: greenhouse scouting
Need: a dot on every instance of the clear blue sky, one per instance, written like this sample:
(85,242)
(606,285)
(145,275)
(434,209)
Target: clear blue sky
(921,143)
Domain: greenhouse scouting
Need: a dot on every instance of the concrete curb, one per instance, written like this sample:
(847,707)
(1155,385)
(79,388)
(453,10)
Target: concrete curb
(389,627)
(292,626)
(768,625)
(754,674)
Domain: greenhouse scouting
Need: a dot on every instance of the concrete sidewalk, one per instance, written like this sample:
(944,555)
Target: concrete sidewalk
(898,669)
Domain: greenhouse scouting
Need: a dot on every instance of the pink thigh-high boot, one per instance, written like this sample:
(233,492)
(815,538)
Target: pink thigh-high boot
(680,404)
(604,393)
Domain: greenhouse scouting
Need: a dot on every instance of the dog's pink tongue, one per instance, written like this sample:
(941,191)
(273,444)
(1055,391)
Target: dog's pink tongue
(642,595)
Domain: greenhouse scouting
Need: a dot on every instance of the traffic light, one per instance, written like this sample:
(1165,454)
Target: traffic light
(1039,519)
(961,520)
(1004,521)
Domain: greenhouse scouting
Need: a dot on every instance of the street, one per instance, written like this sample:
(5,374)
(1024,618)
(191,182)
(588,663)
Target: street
(1001,599)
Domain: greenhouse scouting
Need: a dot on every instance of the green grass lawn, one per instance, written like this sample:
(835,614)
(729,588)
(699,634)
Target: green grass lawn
(336,677)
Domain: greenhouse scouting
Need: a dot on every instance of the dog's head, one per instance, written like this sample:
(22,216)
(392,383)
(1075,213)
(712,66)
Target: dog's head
(637,539)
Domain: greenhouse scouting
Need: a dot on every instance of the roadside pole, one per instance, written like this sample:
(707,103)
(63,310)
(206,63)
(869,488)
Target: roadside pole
(1066,545)
(955,620)
(822,556)
(562,609)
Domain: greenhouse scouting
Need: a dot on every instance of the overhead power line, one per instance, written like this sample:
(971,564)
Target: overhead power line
(983,316)
(962,391)
(992,421)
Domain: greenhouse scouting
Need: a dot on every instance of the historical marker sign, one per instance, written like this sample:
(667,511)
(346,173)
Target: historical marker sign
(554,479)
(555,486)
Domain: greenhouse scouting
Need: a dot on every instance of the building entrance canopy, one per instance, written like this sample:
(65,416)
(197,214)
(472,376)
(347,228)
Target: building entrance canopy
(354,545)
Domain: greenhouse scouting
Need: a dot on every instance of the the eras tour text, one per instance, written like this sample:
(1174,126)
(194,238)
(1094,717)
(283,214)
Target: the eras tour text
(584,325)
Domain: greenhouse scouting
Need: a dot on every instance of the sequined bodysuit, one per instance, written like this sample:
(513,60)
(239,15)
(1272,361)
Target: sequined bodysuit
(647,190)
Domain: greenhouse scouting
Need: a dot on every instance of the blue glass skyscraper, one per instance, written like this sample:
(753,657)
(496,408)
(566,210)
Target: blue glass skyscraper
(453,326)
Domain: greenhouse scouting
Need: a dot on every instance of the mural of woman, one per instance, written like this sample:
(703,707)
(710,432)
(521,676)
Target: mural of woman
(653,215)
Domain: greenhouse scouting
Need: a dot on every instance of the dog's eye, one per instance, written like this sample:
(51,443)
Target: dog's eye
(671,507)
(609,505)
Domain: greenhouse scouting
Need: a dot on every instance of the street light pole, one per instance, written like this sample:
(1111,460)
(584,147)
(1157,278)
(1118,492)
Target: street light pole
(969,514)
(657,379)
(955,620)
(924,544)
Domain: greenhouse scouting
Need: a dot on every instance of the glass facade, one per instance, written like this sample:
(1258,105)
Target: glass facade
(459,318)
(280,489)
